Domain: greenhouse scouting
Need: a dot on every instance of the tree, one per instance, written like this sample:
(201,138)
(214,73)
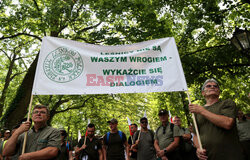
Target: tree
(201,30)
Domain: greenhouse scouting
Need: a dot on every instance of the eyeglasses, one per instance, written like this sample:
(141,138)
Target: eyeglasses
(41,112)
(144,122)
(210,86)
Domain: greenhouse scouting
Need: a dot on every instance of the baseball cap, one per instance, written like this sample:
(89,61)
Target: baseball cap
(7,131)
(63,132)
(61,129)
(113,120)
(143,118)
(162,112)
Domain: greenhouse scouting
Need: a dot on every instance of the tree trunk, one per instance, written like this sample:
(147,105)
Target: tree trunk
(19,105)
(6,84)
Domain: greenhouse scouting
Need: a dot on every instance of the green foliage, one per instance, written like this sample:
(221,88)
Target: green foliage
(201,29)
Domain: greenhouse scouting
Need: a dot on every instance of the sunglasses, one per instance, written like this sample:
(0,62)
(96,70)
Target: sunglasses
(210,86)
(144,122)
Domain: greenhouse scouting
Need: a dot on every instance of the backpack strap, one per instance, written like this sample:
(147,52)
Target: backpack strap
(107,140)
(171,128)
(108,134)
(136,135)
(152,135)
(120,134)
(67,146)
(156,132)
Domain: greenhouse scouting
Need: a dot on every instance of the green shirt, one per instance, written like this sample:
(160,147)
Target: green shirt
(45,137)
(146,150)
(244,130)
(115,146)
(219,143)
(166,138)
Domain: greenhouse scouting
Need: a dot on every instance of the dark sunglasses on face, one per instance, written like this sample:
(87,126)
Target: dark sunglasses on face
(210,86)
(144,122)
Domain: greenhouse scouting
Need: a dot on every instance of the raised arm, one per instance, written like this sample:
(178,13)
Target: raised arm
(10,146)
(218,120)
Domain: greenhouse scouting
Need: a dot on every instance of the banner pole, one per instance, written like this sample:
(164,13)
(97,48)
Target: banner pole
(26,133)
(139,135)
(85,138)
(195,124)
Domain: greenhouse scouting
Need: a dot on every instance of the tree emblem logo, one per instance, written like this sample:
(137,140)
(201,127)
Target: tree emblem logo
(63,65)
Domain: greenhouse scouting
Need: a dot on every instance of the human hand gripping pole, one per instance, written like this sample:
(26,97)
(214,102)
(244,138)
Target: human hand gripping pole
(139,135)
(85,138)
(195,124)
(26,133)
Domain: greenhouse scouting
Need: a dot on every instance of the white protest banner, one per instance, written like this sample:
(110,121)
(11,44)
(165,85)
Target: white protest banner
(71,67)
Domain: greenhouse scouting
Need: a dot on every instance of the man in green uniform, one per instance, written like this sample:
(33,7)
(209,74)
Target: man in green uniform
(66,148)
(115,142)
(187,151)
(216,124)
(132,152)
(243,127)
(43,142)
(167,138)
(144,142)
(92,148)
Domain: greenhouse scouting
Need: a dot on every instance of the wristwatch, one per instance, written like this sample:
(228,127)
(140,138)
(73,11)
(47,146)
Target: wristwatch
(165,151)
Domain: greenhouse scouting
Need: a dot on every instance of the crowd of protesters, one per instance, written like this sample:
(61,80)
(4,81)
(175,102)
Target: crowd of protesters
(222,136)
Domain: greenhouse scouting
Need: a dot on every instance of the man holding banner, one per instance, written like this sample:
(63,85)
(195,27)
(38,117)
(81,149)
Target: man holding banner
(43,141)
(216,123)
(133,152)
(89,147)
(144,142)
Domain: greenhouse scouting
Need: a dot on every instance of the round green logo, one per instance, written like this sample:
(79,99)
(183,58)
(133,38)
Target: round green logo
(63,65)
